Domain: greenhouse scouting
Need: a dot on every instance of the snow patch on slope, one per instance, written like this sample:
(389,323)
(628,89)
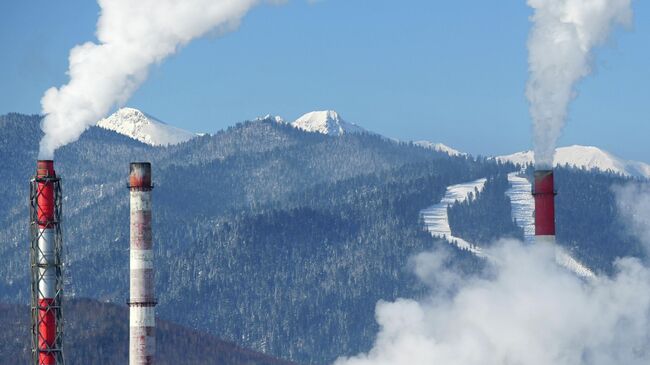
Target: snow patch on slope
(144,128)
(587,157)
(271,118)
(326,122)
(439,147)
(436,220)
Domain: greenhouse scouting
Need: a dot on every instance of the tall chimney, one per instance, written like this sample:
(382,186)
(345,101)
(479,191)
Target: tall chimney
(544,193)
(45,260)
(142,338)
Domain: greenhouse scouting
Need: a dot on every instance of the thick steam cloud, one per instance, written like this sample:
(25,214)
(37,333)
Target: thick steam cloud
(560,48)
(525,309)
(531,312)
(132,36)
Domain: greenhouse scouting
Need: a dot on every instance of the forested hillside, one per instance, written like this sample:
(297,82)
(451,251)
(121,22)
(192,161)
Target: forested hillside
(98,333)
(276,239)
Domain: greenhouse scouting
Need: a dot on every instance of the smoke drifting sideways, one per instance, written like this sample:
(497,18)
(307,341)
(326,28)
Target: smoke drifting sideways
(524,309)
(560,45)
(633,203)
(132,35)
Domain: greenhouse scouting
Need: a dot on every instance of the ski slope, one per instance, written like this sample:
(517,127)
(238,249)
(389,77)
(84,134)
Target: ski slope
(523,204)
(436,220)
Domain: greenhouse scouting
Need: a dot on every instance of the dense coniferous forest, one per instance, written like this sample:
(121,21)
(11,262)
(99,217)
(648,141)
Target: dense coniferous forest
(468,219)
(276,239)
(588,222)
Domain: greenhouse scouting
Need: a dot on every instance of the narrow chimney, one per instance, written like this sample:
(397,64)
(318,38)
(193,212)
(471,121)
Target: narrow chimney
(45,259)
(544,193)
(142,340)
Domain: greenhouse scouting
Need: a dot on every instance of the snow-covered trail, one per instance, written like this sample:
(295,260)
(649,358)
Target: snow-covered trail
(523,204)
(523,211)
(436,220)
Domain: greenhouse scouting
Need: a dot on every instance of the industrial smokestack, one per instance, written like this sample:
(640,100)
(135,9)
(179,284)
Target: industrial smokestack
(45,259)
(544,193)
(142,338)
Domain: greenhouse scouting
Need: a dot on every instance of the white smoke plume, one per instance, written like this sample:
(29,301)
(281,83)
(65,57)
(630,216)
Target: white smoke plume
(132,36)
(524,309)
(528,311)
(560,46)
(633,203)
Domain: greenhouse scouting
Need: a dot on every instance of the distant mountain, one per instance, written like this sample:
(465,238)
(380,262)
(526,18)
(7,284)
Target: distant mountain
(439,147)
(587,157)
(144,128)
(98,333)
(326,122)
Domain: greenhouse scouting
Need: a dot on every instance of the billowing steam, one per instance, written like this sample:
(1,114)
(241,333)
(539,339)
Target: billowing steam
(524,309)
(528,310)
(132,36)
(560,51)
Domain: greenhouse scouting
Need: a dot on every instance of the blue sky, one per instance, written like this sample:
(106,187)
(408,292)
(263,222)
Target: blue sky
(445,71)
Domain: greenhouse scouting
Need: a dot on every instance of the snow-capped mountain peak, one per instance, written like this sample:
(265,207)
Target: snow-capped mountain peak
(587,157)
(439,147)
(144,128)
(326,122)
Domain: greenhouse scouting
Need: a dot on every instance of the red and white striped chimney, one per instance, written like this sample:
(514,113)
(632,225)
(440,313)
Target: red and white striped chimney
(47,329)
(142,338)
(544,193)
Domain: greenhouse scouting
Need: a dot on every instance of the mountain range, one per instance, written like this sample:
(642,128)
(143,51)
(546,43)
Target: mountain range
(142,127)
(586,157)
(278,239)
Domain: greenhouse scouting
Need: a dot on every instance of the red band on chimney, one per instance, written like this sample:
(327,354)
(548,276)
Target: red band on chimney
(544,203)
(45,170)
(46,331)
(140,175)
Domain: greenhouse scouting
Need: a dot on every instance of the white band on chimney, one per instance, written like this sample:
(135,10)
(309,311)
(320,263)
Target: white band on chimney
(45,256)
(545,239)
(141,259)
(142,316)
(140,200)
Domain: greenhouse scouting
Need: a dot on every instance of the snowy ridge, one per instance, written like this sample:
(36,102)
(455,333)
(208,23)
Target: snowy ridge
(144,128)
(271,118)
(523,210)
(436,220)
(587,157)
(439,147)
(326,122)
